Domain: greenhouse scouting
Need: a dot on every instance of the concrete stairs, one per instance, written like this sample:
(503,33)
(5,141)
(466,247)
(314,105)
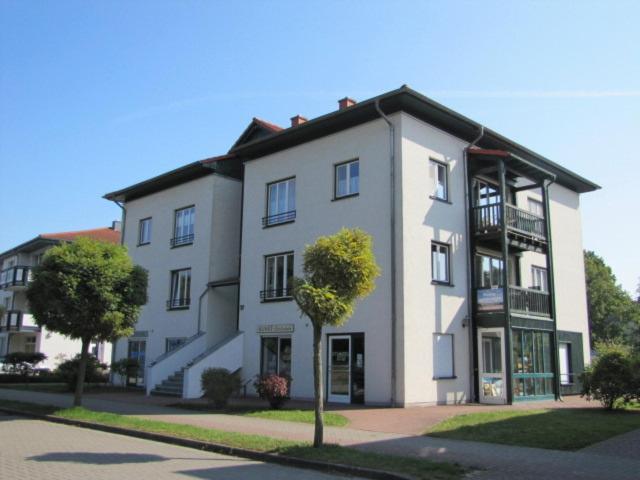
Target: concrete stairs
(171,386)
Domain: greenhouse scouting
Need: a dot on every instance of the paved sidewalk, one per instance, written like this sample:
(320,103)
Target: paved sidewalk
(38,450)
(497,461)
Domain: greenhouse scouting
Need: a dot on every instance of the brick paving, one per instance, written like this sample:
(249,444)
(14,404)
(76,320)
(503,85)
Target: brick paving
(37,450)
(495,461)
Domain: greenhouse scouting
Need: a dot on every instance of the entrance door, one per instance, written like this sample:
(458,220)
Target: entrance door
(137,351)
(492,365)
(339,369)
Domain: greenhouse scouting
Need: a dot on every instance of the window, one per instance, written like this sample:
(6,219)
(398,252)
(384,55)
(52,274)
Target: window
(37,259)
(278,269)
(532,363)
(144,231)
(281,202)
(347,179)
(276,356)
(443,355)
(440,175)
(137,352)
(536,207)
(564,352)
(539,279)
(173,343)
(488,271)
(30,344)
(183,226)
(440,263)
(180,289)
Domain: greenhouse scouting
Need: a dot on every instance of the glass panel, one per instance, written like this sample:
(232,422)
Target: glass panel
(270,275)
(280,273)
(341,180)
(354,178)
(527,352)
(269,355)
(491,354)
(285,357)
(340,366)
(282,197)
(517,351)
(564,363)
(492,387)
(273,199)
(291,201)
(289,269)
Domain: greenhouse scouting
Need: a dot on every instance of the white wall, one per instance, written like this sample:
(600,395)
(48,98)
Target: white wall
(313,166)
(428,308)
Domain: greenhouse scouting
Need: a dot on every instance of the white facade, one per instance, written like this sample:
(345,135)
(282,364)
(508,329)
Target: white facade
(425,351)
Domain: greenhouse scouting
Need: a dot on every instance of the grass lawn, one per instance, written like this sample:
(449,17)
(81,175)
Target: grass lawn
(417,468)
(560,429)
(284,414)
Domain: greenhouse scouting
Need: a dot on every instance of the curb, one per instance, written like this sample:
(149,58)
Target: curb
(323,467)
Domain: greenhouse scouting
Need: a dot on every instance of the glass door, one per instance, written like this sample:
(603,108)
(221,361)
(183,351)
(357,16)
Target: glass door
(491,363)
(137,351)
(339,369)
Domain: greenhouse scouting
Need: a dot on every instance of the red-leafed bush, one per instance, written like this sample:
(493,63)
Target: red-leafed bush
(273,388)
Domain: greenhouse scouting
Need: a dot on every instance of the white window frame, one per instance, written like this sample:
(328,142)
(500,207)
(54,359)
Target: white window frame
(180,294)
(273,291)
(350,190)
(437,266)
(281,202)
(539,278)
(279,360)
(440,189)
(443,352)
(144,231)
(535,206)
(184,226)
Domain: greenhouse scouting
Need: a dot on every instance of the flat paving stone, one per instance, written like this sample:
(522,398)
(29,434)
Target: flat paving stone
(38,450)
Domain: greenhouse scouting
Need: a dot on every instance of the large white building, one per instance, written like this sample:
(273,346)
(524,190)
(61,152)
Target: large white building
(445,199)
(18,330)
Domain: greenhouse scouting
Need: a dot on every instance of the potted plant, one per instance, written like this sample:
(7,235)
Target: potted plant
(273,388)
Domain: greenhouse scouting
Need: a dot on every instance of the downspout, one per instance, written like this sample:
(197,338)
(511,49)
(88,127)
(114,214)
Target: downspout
(200,309)
(123,222)
(470,324)
(392,180)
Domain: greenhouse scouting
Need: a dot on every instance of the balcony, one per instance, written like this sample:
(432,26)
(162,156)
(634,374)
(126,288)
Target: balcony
(15,278)
(18,321)
(278,219)
(524,228)
(526,301)
(182,240)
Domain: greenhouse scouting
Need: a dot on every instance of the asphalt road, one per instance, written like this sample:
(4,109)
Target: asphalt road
(34,450)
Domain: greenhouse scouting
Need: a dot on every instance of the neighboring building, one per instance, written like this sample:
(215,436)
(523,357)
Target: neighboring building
(18,330)
(445,200)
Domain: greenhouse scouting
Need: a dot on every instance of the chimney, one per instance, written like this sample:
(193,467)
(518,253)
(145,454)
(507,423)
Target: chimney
(116,225)
(297,120)
(346,102)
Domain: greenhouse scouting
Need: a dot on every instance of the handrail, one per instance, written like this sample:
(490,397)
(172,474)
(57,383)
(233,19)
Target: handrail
(213,348)
(165,355)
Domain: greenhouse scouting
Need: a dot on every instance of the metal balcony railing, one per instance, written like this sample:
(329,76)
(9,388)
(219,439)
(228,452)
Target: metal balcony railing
(175,303)
(488,218)
(278,294)
(182,240)
(17,276)
(529,301)
(279,218)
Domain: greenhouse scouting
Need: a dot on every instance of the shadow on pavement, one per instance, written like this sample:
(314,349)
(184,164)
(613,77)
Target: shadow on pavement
(98,458)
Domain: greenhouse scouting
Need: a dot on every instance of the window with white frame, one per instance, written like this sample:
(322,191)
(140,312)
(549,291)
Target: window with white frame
(30,344)
(539,279)
(347,179)
(440,263)
(443,355)
(278,270)
(183,226)
(276,356)
(144,231)
(281,202)
(180,289)
(564,354)
(536,207)
(440,176)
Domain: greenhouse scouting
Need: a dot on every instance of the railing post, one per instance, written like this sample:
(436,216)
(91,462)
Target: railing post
(505,281)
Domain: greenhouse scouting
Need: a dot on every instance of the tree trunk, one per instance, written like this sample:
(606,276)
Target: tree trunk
(82,369)
(317,378)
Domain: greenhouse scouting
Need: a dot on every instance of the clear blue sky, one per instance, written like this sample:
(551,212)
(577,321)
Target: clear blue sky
(98,95)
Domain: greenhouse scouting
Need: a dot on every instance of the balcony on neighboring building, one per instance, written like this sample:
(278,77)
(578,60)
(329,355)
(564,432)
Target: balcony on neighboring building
(18,321)
(15,278)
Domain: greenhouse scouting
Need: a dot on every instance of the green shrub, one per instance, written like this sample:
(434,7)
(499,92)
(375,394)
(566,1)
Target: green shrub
(125,367)
(610,379)
(218,385)
(95,373)
(22,363)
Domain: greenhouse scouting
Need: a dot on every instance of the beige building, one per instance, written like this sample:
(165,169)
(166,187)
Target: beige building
(446,201)
(18,329)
